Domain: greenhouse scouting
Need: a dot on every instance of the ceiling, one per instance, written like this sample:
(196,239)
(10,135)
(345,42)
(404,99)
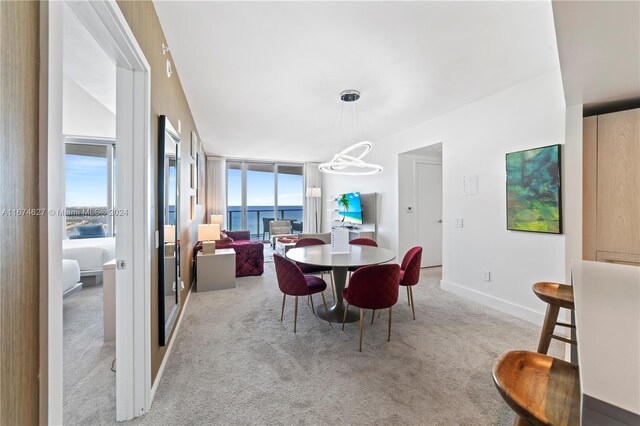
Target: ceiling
(263,78)
(599,49)
(86,63)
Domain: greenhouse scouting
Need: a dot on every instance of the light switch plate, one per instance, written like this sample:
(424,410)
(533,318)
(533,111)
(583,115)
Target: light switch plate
(459,222)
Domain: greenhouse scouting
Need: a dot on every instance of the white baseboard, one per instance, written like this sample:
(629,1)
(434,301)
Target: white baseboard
(501,305)
(154,388)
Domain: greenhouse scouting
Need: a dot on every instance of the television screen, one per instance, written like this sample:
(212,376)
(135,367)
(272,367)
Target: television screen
(349,208)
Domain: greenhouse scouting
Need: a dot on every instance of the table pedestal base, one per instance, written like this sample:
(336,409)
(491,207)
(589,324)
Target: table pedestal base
(336,313)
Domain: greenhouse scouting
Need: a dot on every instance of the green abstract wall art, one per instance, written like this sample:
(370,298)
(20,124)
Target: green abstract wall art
(533,190)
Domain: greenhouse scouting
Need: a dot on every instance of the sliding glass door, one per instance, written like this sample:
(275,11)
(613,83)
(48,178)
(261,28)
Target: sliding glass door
(259,192)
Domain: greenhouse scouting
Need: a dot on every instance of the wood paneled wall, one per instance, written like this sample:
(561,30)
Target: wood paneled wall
(19,235)
(168,98)
(611,187)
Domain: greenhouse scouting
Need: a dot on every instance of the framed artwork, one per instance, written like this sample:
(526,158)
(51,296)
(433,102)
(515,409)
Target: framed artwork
(201,177)
(534,191)
(194,176)
(194,145)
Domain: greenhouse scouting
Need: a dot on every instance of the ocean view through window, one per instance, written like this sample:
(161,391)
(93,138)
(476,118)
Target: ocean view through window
(259,192)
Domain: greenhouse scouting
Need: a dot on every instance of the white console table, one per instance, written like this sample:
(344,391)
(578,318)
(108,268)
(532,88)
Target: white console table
(109,300)
(216,271)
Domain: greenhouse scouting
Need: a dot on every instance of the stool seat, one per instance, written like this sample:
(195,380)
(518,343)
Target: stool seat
(542,390)
(555,294)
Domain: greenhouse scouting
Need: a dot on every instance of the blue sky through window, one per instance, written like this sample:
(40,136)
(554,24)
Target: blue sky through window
(260,189)
(86,181)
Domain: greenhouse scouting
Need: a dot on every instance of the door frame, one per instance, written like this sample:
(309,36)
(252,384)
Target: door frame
(135,242)
(416,162)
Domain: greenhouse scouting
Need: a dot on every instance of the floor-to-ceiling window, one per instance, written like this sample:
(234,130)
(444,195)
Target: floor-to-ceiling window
(258,192)
(89,189)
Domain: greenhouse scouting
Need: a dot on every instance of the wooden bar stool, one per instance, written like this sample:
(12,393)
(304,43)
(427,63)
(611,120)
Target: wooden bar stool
(540,389)
(556,296)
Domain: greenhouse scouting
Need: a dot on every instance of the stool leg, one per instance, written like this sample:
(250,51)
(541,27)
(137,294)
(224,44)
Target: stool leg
(550,319)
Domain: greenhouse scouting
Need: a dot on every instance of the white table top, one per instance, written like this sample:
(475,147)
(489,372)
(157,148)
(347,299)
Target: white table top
(607,310)
(358,256)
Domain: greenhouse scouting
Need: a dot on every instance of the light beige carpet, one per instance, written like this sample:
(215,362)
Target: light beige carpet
(89,392)
(234,362)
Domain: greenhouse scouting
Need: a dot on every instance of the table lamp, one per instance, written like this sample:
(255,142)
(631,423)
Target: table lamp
(169,240)
(208,233)
(217,219)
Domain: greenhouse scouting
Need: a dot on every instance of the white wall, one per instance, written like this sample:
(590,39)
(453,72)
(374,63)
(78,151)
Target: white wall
(475,140)
(84,115)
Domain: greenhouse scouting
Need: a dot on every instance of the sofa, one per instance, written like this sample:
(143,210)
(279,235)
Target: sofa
(249,254)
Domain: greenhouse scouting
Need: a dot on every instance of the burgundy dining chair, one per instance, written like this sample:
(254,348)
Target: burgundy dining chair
(361,242)
(313,269)
(372,287)
(410,273)
(293,282)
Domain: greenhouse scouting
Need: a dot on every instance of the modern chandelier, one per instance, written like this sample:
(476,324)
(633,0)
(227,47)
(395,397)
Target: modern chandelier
(350,161)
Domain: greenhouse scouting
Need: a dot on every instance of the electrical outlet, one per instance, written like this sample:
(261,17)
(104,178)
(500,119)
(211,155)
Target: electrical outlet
(459,222)
(486,275)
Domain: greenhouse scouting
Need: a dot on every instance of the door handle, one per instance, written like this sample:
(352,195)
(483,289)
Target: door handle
(439,221)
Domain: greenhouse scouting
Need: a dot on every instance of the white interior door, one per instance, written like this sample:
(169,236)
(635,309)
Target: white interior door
(429,212)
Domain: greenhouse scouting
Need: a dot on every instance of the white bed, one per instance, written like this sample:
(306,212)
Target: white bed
(70,276)
(90,253)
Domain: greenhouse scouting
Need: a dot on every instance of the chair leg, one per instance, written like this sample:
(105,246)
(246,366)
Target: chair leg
(389,331)
(295,316)
(308,300)
(408,298)
(361,327)
(550,319)
(413,305)
(313,309)
(324,301)
(344,317)
(284,297)
(373,315)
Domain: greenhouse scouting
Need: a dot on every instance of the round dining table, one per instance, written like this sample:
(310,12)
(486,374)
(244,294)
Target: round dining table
(321,255)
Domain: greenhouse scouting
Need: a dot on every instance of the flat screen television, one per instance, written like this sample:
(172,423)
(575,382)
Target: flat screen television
(350,208)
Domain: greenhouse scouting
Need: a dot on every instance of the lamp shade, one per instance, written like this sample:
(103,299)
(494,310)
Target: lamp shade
(314,192)
(217,219)
(169,234)
(208,232)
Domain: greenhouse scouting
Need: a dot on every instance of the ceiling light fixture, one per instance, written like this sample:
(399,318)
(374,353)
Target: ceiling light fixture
(350,161)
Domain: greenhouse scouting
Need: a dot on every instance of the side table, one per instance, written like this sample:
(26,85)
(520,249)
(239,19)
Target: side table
(216,271)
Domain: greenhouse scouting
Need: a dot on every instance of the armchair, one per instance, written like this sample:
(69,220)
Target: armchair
(278,228)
